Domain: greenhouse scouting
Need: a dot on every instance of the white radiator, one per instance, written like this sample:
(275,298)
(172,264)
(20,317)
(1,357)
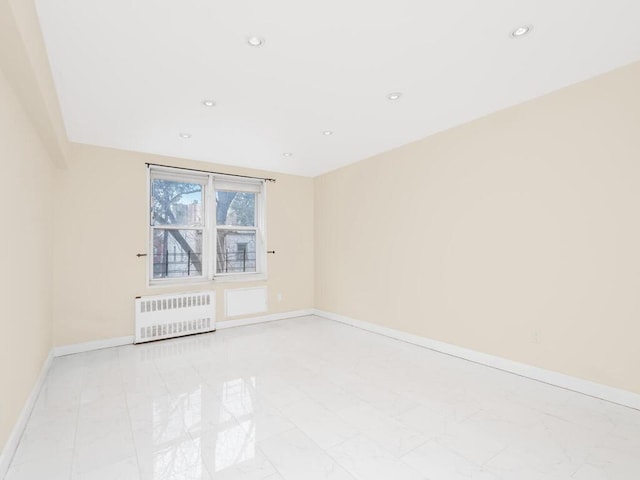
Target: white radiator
(166,316)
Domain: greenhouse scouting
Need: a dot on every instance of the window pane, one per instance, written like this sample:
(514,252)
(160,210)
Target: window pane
(176,203)
(236,251)
(237,209)
(177,253)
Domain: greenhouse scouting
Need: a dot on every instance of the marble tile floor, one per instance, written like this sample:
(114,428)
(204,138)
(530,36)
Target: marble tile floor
(307,399)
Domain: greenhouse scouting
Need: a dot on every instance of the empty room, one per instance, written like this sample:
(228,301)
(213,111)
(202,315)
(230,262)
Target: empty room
(339,240)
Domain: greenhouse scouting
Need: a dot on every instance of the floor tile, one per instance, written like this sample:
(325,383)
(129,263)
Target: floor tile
(103,448)
(52,466)
(472,442)
(435,461)
(180,458)
(126,469)
(367,460)
(396,437)
(309,398)
(295,456)
(323,427)
(45,438)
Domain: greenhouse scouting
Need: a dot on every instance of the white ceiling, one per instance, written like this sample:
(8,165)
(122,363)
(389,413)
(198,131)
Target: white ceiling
(132,74)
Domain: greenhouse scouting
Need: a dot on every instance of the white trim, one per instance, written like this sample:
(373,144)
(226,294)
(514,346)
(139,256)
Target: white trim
(177,174)
(239,277)
(120,341)
(6,455)
(187,176)
(265,318)
(90,346)
(149,261)
(604,392)
(260,220)
(238,184)
(209,226)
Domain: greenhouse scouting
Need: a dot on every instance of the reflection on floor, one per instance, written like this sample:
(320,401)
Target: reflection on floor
(306,399)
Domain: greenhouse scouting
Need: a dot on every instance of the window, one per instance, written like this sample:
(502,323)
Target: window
(205,227)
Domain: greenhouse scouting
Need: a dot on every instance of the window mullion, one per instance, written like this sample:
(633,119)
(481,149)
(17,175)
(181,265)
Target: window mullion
(210,221)
(177,227)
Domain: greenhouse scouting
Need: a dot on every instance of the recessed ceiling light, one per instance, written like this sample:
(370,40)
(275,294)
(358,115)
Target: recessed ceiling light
(255,41)
(287,154)
(521,31)
(394,96)
(185,135)
(209,103)
(327,132)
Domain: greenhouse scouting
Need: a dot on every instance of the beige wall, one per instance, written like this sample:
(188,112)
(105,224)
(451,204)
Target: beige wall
(26,67)
(25,252)
(516,235)
(101,217)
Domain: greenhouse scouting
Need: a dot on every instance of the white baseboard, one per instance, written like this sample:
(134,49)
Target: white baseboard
(90,346)
(604,392)
(265,318)
(119,341)
(16,433)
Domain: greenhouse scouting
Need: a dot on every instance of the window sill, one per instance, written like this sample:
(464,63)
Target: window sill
(253,277)
(220,279)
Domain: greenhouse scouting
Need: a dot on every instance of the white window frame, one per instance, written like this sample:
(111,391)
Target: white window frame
(210,182)
(241,185)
